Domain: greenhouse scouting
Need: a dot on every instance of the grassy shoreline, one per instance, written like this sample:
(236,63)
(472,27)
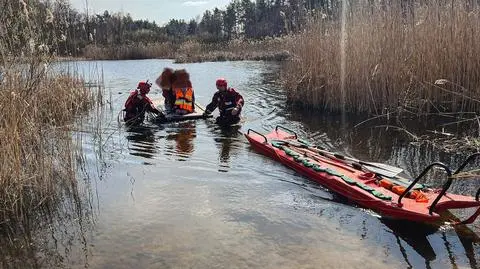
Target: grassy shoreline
(418,60)
(39,158)
(268,49)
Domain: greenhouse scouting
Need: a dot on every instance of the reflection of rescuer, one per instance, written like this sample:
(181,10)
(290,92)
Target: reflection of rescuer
(138,103)
(229,103)
(184,138)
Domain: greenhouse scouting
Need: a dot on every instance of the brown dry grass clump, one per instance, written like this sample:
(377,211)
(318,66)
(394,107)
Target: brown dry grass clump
(38,157)
(36,152)
(267,49)
(273,49)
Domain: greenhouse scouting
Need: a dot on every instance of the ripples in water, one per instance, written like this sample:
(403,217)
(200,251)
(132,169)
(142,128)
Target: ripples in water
(206,199)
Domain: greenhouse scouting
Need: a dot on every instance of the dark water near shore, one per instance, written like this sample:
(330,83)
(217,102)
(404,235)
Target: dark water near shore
(193,195)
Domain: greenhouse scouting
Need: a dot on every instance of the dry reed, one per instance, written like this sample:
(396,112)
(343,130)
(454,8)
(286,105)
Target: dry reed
(38,157)
(267,49)
(394,56)
(37,109)
(37,154)
(131,52)
(35,141)
(195,51)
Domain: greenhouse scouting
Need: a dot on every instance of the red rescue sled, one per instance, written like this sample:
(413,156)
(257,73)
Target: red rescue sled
(387,195)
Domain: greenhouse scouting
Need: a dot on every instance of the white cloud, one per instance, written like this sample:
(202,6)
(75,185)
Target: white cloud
(194,3)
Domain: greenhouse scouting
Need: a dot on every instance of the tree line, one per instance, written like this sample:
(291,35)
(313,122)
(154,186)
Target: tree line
(66,31)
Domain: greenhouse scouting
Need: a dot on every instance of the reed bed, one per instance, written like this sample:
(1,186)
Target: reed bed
(131,52)
(37,154)
(35,142)
(398,61)
(39,158)
(267,49)
(196,51)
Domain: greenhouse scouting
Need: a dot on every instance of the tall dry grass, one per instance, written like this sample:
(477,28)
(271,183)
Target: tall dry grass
(196,51)
(36,151)
(38,157)
(422,59)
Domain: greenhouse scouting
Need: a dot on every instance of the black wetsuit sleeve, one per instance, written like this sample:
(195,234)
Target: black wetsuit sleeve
(213,104)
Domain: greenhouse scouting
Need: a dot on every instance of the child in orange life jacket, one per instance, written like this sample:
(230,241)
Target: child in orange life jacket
(164,81)
(229,103)
(138,103)
(183,92)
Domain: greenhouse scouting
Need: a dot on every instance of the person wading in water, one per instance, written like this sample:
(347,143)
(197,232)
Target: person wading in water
(138,103)
(229,103)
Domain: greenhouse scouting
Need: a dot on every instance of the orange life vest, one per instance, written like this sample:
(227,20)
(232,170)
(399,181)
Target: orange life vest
(184,99)
(418,195)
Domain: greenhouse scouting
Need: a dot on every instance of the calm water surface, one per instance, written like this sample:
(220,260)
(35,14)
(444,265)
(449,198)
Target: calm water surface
(192,195)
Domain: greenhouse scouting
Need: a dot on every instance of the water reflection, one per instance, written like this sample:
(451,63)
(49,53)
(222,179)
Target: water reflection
(142,140)
(415,235)
(205,221)
(228,136)
(52,235)
(227,141)
(183,135)
(469,241)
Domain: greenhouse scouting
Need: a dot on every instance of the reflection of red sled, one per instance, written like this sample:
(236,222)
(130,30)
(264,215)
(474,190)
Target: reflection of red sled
(388,196)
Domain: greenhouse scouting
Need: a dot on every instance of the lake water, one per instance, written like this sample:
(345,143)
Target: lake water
(193,195)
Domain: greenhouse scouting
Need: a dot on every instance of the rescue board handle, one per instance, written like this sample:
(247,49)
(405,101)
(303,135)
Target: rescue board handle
(286,129)
(253,131)
(442,192)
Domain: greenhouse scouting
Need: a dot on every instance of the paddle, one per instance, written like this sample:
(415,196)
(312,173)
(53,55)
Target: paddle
(378,168)
(199,107)
(381,168)
(391,176)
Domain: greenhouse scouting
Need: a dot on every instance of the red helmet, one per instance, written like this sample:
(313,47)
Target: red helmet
(144,87)
(221,82)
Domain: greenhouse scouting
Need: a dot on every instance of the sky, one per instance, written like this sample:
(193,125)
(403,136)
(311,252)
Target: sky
(160,11)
